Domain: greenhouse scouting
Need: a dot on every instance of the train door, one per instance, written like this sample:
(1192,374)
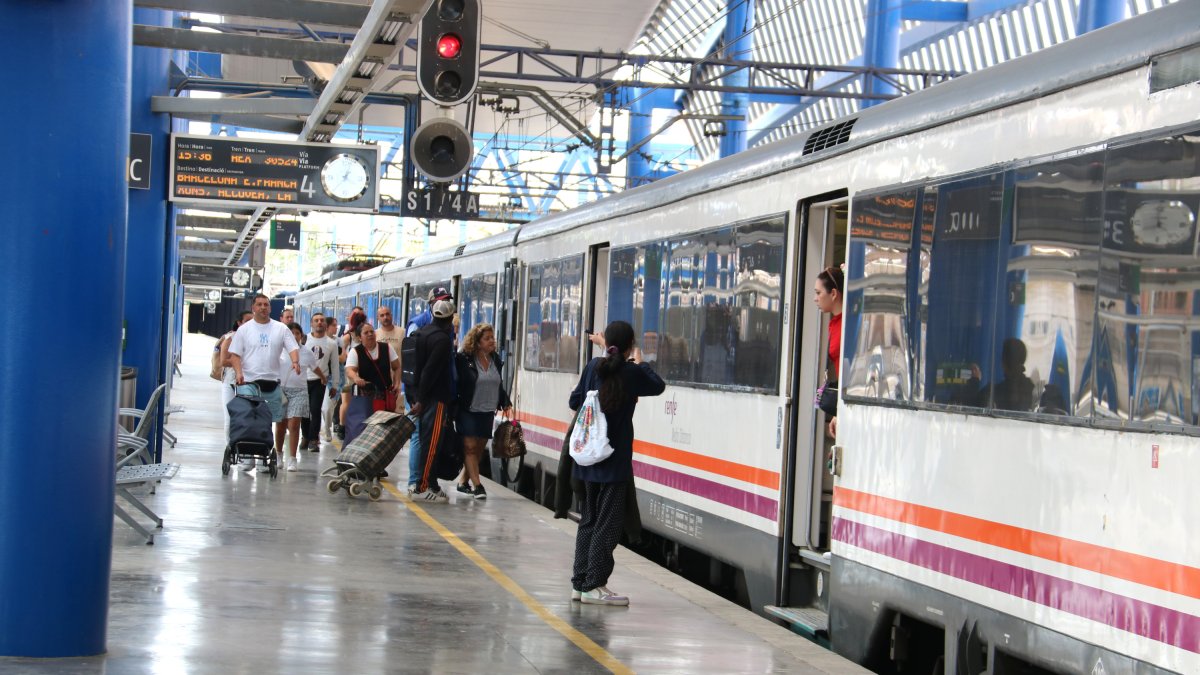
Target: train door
(597,314)
(820,244)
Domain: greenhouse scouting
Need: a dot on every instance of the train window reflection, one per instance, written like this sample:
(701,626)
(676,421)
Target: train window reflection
(477,302)
(1147,365)
(878,333)
(963,294)
(553,319)
(706,307)
(1045,340)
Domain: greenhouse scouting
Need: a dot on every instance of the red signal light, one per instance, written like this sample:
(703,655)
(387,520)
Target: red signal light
(449,46)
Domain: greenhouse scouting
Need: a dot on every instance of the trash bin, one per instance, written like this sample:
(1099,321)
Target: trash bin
(127,396)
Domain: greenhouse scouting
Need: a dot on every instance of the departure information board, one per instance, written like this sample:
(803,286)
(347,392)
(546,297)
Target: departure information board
(243,172)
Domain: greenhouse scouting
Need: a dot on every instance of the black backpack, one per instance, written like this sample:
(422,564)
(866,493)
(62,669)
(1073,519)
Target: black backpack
(410,374)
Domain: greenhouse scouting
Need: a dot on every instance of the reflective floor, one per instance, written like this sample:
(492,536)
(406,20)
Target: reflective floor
(253,575)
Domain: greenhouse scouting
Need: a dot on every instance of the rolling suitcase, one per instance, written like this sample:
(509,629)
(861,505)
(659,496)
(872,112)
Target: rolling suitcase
(250,434)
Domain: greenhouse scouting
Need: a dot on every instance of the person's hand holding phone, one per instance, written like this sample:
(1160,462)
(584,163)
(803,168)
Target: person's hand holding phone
(635,354)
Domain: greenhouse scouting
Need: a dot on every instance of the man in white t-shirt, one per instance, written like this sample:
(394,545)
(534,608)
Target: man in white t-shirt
(255,351)
(325,350)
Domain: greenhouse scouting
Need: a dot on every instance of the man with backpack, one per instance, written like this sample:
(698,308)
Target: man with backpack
(408,362)
(434,395)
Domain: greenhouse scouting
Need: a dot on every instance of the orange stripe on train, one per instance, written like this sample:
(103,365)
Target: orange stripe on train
(1140,569)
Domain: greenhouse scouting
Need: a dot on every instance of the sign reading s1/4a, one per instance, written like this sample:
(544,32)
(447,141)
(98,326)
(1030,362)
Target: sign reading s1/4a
(228,170)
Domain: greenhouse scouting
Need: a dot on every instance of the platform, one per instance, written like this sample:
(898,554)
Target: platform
(254,575)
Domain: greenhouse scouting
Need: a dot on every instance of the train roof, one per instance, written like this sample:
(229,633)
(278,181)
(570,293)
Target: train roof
(1114,49)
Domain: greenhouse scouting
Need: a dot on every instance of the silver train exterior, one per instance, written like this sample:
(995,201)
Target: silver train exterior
(1048,201)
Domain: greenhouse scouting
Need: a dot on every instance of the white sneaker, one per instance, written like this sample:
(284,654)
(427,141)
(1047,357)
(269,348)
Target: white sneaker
(291,464)
(412,490)
(248,464)
(325,435)
(576,596)
(602,596)
(433,495)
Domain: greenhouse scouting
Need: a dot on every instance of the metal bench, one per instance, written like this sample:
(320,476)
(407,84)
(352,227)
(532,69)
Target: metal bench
(135,467)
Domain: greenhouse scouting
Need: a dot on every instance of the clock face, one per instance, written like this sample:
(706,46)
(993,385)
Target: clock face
(345,178)
(1162,223)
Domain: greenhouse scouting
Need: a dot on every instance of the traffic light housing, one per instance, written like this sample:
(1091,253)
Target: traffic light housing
(448,51)
(441,149)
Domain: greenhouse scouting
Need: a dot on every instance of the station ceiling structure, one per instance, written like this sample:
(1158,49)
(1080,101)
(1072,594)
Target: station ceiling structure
(589,84)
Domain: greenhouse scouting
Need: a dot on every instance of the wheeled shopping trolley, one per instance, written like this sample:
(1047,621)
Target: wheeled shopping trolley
(358,467)
(250,435)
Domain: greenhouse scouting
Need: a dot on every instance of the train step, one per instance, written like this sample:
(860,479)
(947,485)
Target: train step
(810,622)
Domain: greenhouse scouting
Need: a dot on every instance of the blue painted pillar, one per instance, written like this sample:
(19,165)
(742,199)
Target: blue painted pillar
(150,245)
(739,44)
(64,212)
(641,113)
(881,46)
(1095,14)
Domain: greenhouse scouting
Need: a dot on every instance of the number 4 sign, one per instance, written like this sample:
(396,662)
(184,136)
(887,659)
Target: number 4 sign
(285,234)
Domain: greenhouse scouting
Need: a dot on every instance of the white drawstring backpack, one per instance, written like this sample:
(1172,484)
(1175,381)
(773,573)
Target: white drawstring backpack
(589,440)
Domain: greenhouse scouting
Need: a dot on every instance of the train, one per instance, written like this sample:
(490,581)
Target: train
(1010,487)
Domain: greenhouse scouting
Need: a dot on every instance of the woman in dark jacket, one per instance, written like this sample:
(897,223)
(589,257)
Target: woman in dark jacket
(480,394)
(620,377)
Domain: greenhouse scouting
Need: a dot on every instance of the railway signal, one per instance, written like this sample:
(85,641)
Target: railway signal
(448,51)
(441,149)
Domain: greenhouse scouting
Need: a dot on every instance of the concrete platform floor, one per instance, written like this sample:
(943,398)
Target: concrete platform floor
(254,575)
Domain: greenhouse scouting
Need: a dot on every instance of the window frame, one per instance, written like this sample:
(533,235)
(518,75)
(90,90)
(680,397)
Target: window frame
(666,245)
(573,368)
(1008,171)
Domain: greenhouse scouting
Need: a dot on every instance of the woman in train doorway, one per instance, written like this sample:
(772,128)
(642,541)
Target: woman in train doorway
(621,377)
(480,394)
(827,294)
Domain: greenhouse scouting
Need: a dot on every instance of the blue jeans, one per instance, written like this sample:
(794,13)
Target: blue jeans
(414,450)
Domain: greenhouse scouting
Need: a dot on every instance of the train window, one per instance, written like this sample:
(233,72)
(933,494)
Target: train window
(963,292)
(478,302)
(1147,358)
(1046,327)
(393,299)
(706,307)
(418,299)
(881,333)
(553,315)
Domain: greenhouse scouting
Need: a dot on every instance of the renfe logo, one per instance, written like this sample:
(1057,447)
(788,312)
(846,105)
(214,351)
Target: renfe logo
(671,407)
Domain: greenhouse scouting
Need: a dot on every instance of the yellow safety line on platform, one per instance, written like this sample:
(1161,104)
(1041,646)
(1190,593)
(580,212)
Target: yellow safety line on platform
(580,640)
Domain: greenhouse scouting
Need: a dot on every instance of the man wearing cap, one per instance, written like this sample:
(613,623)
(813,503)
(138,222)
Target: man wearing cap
(414,324)
(435,393)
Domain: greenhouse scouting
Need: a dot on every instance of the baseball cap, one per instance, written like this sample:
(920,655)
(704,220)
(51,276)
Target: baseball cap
(443,309)
(440,293)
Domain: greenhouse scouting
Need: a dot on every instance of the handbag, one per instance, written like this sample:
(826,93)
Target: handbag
(827,398)
(508,441)
(589,439)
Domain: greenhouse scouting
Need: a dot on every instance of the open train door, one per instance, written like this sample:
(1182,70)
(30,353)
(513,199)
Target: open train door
(804,561)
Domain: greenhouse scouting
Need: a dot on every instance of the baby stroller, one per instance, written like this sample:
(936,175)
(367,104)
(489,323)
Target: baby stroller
(250,433)
(358,467)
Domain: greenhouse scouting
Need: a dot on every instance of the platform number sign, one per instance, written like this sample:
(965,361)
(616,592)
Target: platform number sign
(285,234)
(441,203)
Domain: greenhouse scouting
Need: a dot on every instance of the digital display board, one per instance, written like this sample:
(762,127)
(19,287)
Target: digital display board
(244,172)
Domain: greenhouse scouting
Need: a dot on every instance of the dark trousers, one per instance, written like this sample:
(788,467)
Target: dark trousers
(310,427)
(434,420)
(598,535)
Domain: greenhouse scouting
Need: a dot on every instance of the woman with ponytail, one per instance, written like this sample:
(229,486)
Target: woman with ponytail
(621,377)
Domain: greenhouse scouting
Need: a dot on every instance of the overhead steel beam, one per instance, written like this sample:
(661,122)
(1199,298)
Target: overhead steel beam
(242,45)
(233,225)
(384,32)
(177,105)
(308,11)
(257,122)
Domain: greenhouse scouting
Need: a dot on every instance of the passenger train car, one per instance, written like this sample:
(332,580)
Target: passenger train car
(1012,485)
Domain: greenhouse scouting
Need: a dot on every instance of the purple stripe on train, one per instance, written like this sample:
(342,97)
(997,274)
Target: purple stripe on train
(1161,624)
(730,496)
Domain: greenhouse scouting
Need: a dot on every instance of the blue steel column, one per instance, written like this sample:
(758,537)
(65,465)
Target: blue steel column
(640,118)
(881,46)
(739,44)
(64,212)
(1095,14)
(150,243)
